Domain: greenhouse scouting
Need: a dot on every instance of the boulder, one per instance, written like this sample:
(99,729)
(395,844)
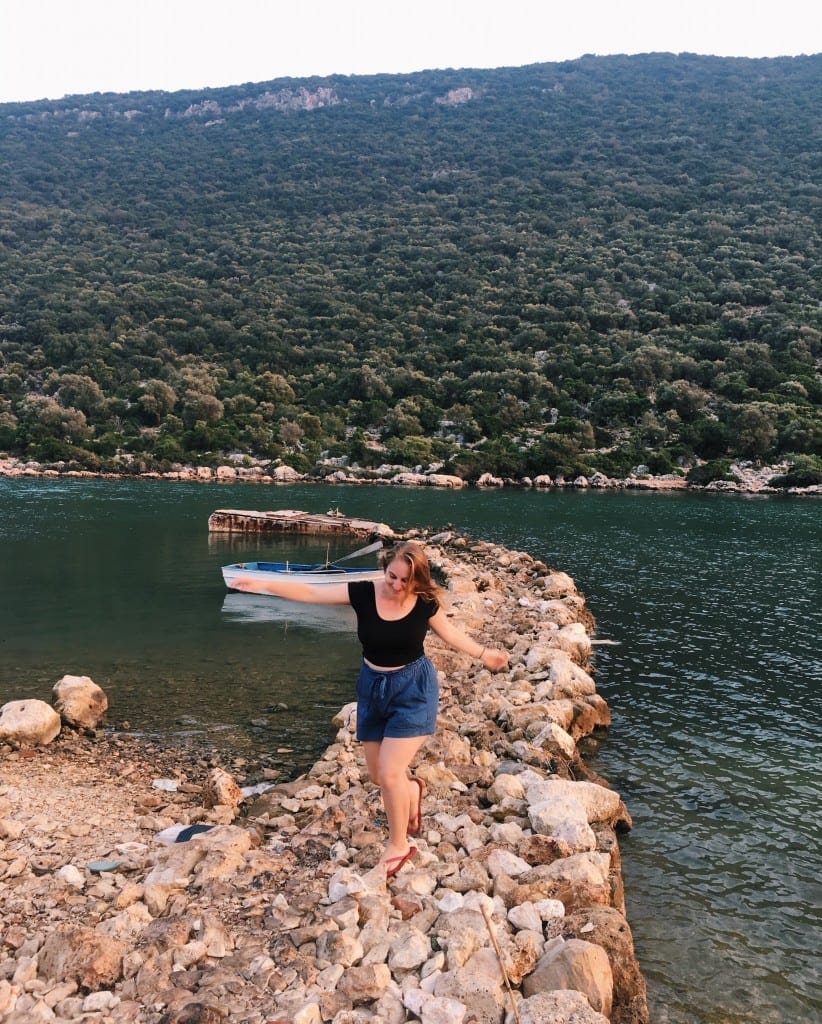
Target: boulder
(607,927)
(578,966)
(598,803)
(446,480)
(489,480)
(479,986)
(28,723)
(575,641)
(561,1007)
(287,475)
(80,702)
(558,584)
(82,955)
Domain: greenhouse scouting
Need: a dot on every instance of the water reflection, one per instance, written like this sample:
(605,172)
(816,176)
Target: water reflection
(321,618)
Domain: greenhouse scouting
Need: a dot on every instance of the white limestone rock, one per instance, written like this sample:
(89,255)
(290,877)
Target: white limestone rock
(575,965)
(503,862)
(434,1009)
(574,640)
(559,584)
(479,986)
(526,917)
(80,702)
(599,803)
(558,1008)
(409,949)
(28,723)
(505,785)
(563,818)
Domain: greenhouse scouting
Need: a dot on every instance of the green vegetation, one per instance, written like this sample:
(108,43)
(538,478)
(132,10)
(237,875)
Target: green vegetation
(563,268)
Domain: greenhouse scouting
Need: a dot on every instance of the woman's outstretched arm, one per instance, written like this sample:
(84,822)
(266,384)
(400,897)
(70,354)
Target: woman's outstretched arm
(491,657)
(293,590)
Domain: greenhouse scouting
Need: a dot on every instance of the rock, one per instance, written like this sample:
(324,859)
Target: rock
(479,986)
(194,1013)
(221,789)
(365,984)
(28,723)
(71,876)
(578,966)
(489,480)
(608,928)
(287,475)
(554,738)
(409,949)
(558,584)
(434,1009)
(526,916)
(561,1007)
(574,640)
(460,934)
(564,819)
(505,786)
(597,802)
(342,948)
(80,702)
(89,958)
(582,878)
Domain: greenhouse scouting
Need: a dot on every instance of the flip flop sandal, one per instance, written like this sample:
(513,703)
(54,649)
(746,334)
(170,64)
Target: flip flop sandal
(393,864)
(415,823)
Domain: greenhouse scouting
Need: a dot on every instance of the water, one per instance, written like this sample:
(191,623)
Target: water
(714,684)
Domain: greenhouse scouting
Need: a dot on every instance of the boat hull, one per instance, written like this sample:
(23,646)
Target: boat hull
(294,571)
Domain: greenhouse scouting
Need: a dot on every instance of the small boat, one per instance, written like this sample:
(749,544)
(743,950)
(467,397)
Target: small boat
(320,573)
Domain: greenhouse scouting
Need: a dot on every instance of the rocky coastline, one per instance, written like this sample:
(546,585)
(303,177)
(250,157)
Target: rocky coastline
(271,910)
(748,478)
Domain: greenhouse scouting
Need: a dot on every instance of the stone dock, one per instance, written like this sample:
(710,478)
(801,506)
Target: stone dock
(512,912)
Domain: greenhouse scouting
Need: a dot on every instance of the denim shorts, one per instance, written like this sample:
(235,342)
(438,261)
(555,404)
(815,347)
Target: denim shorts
(399,703)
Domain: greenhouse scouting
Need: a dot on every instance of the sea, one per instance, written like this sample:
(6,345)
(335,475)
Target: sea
(710,608)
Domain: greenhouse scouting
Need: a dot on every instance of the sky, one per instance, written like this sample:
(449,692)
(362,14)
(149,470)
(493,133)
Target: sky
(53,48)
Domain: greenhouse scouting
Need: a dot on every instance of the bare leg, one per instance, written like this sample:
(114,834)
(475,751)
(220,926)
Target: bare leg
(388,762)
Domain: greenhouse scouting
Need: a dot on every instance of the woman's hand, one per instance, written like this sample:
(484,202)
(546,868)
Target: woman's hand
(245,583)
(494,659)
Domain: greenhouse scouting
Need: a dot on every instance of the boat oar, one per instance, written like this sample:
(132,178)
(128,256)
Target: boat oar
(362,551)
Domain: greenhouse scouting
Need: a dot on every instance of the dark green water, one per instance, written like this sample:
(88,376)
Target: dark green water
(715,686)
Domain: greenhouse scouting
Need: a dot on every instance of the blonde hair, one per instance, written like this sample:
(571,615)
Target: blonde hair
(419,580)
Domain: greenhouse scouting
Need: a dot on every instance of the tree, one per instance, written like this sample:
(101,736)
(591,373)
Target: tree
(755,430)
(156,401)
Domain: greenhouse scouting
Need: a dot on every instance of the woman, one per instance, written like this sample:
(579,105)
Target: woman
(397,688)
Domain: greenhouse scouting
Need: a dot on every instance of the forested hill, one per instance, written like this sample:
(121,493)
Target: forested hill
(558,268)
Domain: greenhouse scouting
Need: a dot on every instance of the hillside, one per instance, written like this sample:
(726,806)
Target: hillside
(558,268)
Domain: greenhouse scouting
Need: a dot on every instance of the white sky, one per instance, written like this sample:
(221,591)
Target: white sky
(52,48)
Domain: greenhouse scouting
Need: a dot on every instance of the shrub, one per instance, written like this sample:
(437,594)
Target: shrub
(718,469)
(805,471)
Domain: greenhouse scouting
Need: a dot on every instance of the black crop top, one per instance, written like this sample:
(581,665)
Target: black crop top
(389,642)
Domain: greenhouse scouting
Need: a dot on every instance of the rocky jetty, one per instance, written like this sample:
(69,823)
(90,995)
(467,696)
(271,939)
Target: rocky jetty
(141,884)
